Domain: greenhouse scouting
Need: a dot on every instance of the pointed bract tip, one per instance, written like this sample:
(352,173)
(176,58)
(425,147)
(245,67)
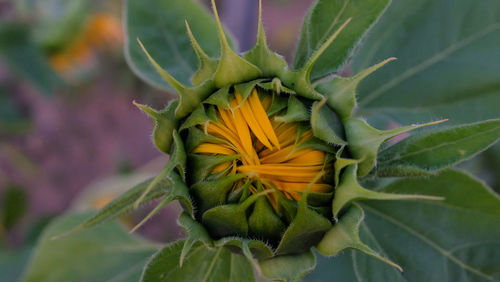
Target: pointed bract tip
(381,64)
(188,28)
(394,264)
(140,44)
(196,46)
(138,225)
(432,123)
(261,37)
(220,30)
(179,87)
(62,235)
(133,229)
(146,109)
(315,56)
(216,13)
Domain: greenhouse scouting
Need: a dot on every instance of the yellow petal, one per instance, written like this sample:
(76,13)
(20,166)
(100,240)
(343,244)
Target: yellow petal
(262,118)
(249,117)
(210,148)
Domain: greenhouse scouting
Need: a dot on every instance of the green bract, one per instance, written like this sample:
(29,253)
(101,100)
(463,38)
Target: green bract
(233,209)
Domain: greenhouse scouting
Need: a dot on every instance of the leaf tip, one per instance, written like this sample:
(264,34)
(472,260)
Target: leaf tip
(135,228)
(67,233)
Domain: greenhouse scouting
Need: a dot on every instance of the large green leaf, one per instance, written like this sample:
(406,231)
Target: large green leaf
(452,240)
(13,262)
(160,25)
(429,152)
(25,58)
(200,264)
(105,253)
(335,269)
(447,63)
(323,19)
(58,22)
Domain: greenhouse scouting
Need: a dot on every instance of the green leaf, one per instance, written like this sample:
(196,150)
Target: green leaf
(429,152)
(339,268)
(160,25)
(323,19)
(447,66)
(452,240)
(288,268)
(345,235)
(118,206)
(58,22)
(25,58)
(105,253)
(13,262)
(200,264)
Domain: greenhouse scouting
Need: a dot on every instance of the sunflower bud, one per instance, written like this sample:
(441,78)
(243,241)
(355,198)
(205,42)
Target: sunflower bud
(256,159)
(264,162)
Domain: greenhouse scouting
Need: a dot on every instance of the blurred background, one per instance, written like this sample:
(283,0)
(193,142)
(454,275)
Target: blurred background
(70,137)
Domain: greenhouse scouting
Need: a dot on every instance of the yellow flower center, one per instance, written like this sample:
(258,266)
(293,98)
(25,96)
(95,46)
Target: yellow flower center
(269,150)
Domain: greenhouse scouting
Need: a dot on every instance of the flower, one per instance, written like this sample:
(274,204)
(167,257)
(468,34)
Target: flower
(260,159)
(250,127)
(270,151)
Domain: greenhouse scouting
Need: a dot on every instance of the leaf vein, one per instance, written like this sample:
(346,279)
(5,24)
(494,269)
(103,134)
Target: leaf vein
(443,144)
(212,264)
(432,244)
(427,63)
